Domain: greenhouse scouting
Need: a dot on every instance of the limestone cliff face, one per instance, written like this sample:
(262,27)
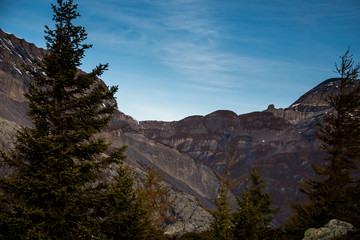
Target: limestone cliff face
(14,52)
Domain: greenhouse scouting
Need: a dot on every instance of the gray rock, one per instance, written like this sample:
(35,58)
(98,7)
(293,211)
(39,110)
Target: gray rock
(333,229)
(189,215)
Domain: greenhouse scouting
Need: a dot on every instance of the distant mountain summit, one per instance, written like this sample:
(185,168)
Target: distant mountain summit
(190,152)
(310,105)
(316,96)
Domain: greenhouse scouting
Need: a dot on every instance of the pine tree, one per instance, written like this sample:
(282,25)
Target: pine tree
(154,195)
(334,193)
(56,188)
(122,210)
(254,214)
(221,223)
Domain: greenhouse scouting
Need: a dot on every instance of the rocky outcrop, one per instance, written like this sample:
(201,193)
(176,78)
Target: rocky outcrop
(334,229)
(190,217)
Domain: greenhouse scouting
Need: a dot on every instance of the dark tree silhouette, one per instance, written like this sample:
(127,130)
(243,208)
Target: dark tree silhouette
(335,194)
(56,190)
(254,214)
(220,227)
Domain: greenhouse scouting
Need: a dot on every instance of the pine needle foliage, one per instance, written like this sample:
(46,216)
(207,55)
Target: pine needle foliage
(56,188)
(154,192)
(220,226)
(121,209)
(252,218)
(335,193)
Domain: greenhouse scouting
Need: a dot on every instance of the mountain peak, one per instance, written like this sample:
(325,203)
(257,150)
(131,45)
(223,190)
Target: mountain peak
(222,114)
(310,105)
(317,96)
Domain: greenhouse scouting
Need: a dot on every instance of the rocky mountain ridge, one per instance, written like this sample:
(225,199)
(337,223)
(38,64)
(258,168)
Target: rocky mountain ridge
(280,141)
(192,151)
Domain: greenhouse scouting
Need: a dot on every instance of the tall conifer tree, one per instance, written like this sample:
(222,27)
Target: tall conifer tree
(334,194)
(121,209)
(55,190)
(252,218)
(220,226)
(154,194)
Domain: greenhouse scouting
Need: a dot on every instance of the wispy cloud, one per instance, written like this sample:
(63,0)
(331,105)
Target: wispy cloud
(180,35)
(214,47)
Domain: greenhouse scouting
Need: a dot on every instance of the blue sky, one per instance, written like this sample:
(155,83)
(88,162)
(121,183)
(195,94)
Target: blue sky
(176,58)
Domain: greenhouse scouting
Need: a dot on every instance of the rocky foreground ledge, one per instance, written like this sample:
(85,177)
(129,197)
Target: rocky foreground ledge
(334,229)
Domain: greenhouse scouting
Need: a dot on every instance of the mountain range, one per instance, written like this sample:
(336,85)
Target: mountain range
(192,153)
